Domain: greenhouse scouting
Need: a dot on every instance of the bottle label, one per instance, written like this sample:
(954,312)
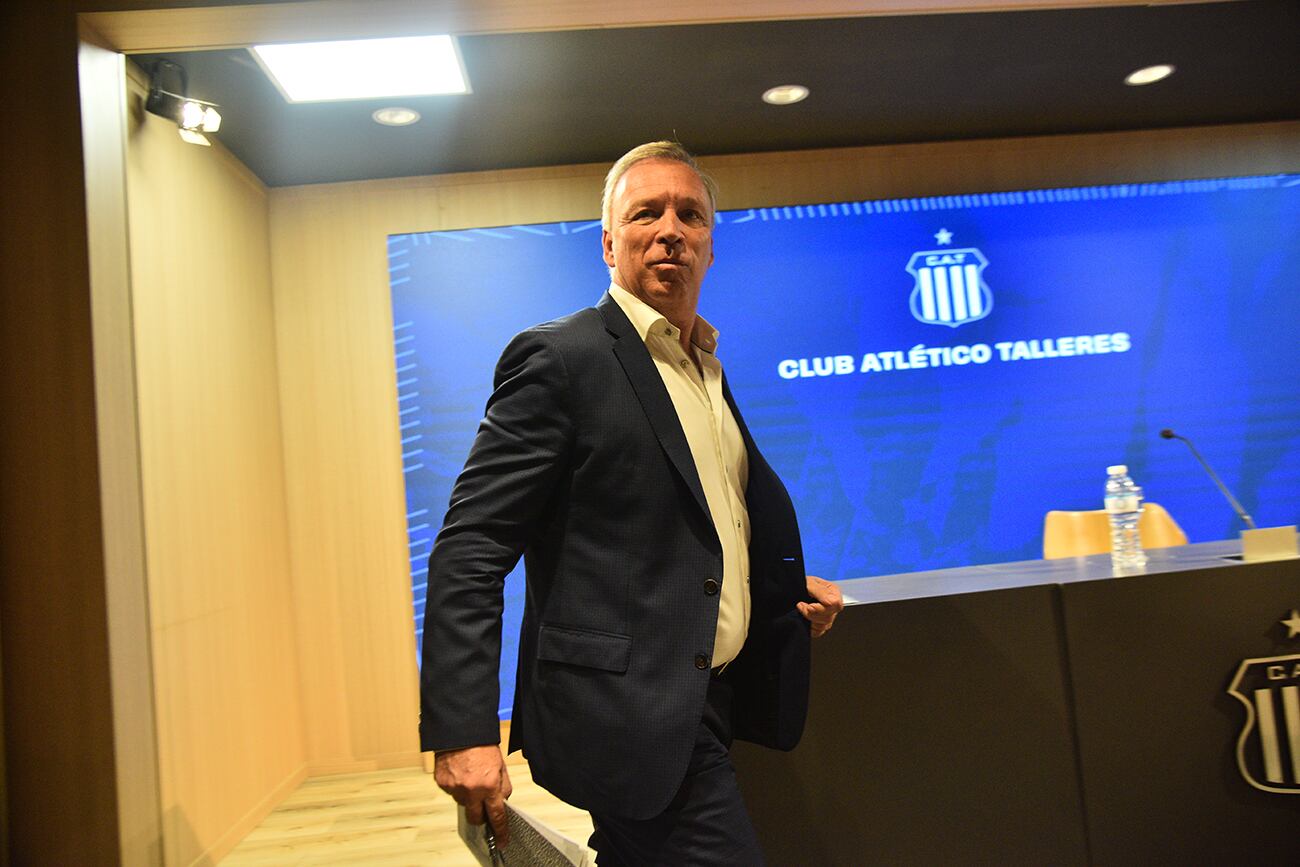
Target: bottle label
(1122,504)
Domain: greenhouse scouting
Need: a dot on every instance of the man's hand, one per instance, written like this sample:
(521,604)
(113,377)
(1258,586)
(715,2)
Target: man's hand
(476,777)
(829,604)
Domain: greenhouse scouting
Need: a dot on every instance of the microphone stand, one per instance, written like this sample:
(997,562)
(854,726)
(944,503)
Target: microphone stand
(1232,501)
(1269,543)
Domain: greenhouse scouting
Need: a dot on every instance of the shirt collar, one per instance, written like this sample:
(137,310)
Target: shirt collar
(650,322)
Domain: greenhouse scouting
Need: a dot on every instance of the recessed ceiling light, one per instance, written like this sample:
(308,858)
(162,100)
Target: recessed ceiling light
(1149,74)
(396,116)
(785,94)
(364,68)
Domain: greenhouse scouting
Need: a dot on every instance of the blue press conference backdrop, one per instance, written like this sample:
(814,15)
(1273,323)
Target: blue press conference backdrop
(928,376)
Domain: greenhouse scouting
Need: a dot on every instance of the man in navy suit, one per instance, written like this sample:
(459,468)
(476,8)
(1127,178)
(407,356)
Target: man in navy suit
(667,607)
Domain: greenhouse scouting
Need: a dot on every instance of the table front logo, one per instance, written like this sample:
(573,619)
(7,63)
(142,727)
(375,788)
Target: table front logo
(1268,748)
(949,288)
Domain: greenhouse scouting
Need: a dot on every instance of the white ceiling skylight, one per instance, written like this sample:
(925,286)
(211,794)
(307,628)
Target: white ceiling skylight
(364,68)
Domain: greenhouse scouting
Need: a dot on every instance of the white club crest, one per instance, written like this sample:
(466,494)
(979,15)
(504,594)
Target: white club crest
(950,288)
(1268,748)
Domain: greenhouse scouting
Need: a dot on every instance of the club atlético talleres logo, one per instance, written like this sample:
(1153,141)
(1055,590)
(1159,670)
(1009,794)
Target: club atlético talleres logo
(950,288)
(1268,748)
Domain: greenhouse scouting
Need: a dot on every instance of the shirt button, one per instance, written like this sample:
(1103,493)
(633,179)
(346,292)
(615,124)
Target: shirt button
(710,587)
(701,661)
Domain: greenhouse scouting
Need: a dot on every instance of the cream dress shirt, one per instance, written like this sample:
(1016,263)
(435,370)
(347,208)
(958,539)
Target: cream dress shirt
(717,447)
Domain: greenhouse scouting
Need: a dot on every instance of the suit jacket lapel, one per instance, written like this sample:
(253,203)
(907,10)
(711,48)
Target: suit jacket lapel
(650,390)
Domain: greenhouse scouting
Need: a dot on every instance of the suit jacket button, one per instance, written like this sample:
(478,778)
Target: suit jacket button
(701,661)
(710,587)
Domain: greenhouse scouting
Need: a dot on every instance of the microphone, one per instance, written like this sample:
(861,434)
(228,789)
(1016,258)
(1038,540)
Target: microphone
(1232,501)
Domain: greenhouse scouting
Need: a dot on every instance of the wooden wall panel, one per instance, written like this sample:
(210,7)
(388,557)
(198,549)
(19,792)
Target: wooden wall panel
(345,496)
(949,168)
(135,733)
(230,727)
(59,763)
(333,319)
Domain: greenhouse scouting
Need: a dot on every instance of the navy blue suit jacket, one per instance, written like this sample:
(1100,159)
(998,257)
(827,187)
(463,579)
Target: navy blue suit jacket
(581,466)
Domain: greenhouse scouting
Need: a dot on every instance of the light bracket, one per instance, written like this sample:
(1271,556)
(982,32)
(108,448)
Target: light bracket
(191,115)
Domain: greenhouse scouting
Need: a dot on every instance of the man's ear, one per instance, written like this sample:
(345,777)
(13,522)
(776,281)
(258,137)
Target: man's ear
(607,244)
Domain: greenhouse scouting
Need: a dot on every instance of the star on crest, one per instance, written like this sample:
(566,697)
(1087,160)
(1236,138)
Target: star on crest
(1292,624)
(943,236)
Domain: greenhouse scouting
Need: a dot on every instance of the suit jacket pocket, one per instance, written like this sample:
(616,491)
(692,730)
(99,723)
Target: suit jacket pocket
(607,651)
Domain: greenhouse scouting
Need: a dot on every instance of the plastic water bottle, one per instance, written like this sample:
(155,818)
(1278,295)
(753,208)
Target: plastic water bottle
(1123,507)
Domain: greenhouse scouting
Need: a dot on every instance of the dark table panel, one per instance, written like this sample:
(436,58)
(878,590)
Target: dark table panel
(1043,712)
(939,733)
(1152,658)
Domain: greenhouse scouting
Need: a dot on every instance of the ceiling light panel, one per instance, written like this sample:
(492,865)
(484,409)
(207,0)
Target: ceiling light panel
(364,68)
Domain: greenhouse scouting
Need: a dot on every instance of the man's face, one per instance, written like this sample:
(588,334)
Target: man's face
(660,240)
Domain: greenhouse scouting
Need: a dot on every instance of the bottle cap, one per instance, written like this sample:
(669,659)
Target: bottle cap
(1117,470)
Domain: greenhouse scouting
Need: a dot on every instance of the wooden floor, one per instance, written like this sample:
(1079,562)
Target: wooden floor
(386,818)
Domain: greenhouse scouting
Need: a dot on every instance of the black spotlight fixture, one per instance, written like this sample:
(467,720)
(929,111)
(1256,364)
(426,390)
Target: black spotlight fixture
(193,117)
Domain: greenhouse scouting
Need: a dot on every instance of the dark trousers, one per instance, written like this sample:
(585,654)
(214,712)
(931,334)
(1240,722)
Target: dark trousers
(706,822)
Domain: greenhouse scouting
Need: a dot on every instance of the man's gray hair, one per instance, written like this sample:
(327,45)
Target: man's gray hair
(656,150)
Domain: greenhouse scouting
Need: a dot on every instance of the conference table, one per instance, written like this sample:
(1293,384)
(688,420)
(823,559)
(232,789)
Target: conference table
(1046,712)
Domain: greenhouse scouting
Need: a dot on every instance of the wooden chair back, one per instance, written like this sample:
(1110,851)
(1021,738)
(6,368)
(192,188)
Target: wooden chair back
(1078,534)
